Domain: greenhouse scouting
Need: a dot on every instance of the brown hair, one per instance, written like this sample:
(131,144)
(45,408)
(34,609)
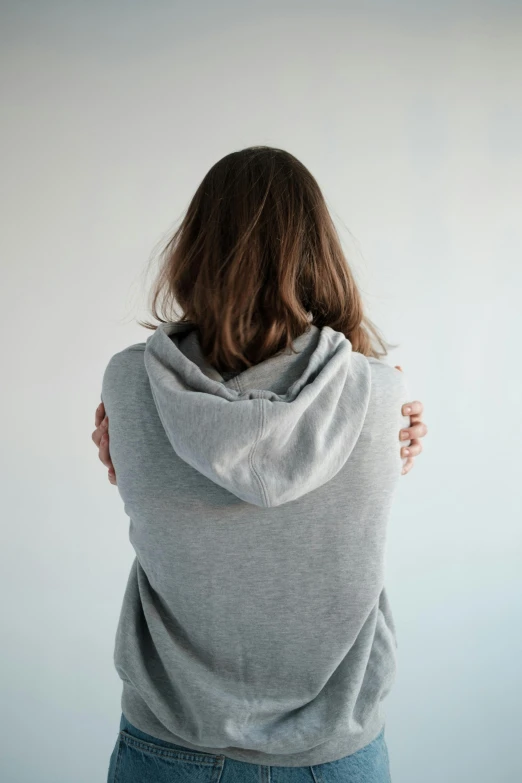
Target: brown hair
(256,252)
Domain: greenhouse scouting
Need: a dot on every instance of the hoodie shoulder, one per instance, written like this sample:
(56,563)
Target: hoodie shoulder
(389,393)
(124,354)
(384,418)
(125,359)
(388,379)
(123,372)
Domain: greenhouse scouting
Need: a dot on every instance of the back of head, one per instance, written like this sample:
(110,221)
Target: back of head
(255,259)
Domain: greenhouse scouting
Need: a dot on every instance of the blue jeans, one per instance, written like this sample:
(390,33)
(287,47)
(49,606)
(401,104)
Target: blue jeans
(139,758)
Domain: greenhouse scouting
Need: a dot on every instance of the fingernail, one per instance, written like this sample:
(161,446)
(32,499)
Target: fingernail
(404,435)
(406,452)
(104,439)
(407,409)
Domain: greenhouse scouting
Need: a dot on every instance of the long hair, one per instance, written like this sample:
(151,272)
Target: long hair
(255,259)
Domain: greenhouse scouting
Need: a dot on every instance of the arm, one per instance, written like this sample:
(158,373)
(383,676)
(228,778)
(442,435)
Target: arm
(409,451)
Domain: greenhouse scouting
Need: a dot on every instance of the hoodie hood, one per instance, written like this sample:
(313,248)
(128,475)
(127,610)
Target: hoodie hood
(273,432)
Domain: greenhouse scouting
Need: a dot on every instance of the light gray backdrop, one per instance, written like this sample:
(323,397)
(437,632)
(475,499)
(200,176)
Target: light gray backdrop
(409,116)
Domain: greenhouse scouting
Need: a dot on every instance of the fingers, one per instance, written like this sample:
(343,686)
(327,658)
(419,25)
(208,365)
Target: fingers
(99,415)
(100,436)
(418,430)
(103,452)
(413,433)
(99,431)
(415,408)
(407,466)
(105,457)
(413,450)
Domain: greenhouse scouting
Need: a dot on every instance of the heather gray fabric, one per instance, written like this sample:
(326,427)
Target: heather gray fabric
(255,622)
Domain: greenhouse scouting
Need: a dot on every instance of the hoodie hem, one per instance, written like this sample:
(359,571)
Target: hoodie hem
(139,714)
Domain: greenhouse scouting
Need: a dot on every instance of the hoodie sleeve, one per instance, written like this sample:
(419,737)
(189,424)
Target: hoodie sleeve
(123,384)
(391,391)
(119,374)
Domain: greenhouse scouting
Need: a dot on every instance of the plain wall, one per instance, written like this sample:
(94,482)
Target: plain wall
(409,116)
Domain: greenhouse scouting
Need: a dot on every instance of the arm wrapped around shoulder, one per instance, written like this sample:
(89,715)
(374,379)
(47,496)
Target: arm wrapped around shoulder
(385,419)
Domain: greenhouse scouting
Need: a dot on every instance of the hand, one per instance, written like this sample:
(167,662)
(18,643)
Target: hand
(100,437)
(413,433)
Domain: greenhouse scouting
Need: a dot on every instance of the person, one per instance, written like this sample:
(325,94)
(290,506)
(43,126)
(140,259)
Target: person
(253,440)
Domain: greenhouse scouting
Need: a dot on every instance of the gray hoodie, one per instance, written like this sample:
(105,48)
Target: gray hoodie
(255,623)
